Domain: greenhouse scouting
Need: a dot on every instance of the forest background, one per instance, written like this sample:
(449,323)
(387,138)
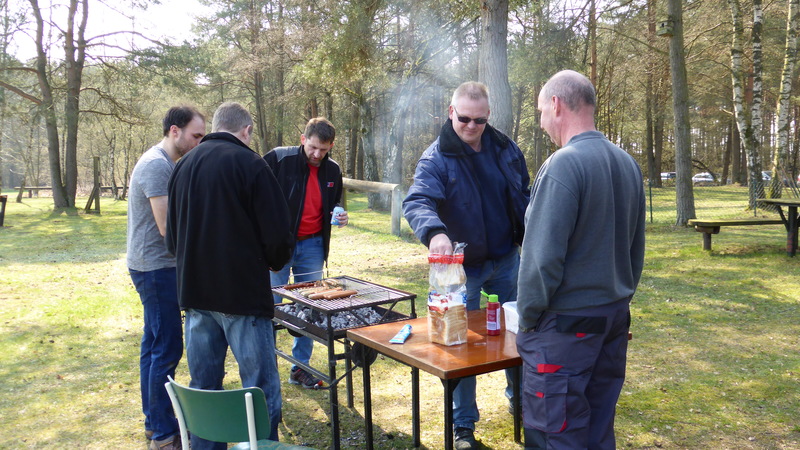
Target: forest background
(383,72)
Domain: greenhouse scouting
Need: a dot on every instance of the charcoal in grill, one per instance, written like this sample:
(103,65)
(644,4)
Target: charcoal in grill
(339,321)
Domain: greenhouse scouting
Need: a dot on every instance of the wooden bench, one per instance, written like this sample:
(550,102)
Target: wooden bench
(709,227)
(30,189)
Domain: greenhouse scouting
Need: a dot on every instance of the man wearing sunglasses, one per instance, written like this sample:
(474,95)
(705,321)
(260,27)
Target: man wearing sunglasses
(472,185)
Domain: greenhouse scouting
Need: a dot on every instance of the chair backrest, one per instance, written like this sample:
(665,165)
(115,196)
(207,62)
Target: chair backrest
(220,416)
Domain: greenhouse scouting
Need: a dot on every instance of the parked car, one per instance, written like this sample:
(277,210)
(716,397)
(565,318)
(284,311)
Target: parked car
(766,175)
(668,176)
(703,178)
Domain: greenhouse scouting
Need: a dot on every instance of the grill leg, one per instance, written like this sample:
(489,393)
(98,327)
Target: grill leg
(333,390)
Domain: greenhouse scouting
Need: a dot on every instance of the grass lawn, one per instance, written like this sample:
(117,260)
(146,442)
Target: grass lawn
(714,361)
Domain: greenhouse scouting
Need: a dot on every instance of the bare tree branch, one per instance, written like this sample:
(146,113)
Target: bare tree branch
(19,68)
(20,92)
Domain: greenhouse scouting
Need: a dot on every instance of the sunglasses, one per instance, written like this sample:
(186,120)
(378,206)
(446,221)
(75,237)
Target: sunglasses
(465,119)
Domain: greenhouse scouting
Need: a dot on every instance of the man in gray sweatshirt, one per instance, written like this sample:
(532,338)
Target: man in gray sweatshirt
(581,261)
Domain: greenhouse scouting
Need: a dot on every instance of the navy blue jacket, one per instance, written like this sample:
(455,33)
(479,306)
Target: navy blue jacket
(445,196)
(290,166)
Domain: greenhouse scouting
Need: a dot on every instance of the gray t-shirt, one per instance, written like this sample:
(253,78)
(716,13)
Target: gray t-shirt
(146,248)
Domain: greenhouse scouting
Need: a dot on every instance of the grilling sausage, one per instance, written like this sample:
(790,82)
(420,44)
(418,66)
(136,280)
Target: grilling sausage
(289,287)
(321,294)
(339,294)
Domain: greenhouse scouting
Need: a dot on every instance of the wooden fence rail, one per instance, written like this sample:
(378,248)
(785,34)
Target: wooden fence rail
(395,190)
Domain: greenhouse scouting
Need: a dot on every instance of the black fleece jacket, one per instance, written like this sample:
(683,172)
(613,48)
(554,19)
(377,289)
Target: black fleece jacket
(227,225)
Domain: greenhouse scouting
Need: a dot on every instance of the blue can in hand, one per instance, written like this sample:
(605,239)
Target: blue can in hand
(335,217)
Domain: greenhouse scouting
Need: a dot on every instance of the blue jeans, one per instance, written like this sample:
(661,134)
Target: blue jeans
(208,335)
(499,277)
(306,265)
(161,349)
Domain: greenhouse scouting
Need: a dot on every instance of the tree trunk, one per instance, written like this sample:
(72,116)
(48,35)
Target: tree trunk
(493,61)
(779,163)
(756,186)
(261,112)
(368,144)
(47,106)
(653,172)
(684,193)
(796,144)
(652,175)
(280,110)
(744,119)
(394,156)
(74,55)
(737,174)
(520,94)
(658,134)
(593,41)
(352,147)
(5,36)
(726,157)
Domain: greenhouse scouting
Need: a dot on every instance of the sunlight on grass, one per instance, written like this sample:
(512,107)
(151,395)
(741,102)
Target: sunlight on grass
(713,362)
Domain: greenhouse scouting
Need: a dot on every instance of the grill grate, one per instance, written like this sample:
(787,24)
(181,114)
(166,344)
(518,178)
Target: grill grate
(369,294)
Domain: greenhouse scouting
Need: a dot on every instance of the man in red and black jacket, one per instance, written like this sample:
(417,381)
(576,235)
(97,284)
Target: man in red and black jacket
(312,185)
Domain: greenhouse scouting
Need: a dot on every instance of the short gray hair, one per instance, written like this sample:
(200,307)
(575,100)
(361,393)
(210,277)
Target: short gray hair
(472,89)
(572,88)
(231,117)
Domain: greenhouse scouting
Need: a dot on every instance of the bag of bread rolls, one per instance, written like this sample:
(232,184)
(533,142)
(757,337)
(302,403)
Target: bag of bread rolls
(447,298)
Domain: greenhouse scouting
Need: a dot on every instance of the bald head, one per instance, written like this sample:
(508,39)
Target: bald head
(567,103)
(574,90)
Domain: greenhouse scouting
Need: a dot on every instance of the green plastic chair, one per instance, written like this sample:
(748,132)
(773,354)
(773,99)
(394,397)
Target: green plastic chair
(223,416)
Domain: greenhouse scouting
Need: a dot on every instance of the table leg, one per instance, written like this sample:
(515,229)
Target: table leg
(333,391)
(415,406)
(348,367)
(449,387)
(791,244)
(367,398)
(517,403)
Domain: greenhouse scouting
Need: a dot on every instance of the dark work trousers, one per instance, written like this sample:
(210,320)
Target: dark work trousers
(574,367)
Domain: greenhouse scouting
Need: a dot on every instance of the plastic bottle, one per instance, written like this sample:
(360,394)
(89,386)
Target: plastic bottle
(493,316)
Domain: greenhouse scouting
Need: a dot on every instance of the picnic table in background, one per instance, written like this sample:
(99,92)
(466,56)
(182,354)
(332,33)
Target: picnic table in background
(789,219)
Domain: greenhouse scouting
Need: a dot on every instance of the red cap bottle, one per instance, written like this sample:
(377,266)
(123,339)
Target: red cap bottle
(493,316)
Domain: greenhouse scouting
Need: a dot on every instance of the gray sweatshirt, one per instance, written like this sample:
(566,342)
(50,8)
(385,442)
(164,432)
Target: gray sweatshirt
(584,230)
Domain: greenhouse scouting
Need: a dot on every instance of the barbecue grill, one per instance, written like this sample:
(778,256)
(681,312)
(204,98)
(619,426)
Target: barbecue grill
(379,300)
(370,295)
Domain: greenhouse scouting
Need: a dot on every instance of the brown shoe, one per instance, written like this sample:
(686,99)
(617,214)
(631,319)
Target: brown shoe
(173,443)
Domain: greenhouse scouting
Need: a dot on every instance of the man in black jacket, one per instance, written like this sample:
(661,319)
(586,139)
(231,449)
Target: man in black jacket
(228,225)
(312,184)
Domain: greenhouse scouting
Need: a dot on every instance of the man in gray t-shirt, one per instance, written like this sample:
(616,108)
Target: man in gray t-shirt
(152,270)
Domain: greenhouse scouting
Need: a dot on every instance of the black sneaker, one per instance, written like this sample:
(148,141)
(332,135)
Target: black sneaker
(465,439)
(304,379)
